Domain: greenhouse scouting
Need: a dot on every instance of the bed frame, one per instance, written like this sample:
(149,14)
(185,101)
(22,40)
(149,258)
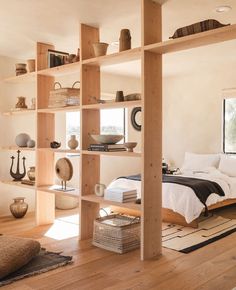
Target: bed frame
(170,216)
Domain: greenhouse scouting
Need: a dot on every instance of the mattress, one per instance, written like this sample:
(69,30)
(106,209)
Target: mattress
(182,199)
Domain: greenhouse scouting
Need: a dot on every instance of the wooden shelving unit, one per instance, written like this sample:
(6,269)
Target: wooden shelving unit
(17,183)
(53,190)
(28,77)
(88,70)
(18,112)
(15,148)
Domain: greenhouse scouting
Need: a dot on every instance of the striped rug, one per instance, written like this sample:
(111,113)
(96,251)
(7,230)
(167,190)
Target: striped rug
(186,239)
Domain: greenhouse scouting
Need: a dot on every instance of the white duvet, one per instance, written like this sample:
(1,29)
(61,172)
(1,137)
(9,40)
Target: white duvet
(182,199)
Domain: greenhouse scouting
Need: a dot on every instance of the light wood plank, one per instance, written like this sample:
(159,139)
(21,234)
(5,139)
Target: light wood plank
(115,153)
(28,77)
(61,70)
(17,183)
(18,112)
(15,148)
(50,189)
(115,58)
(88,36)
(113,105)
(62,109)
(42,55)
(196,40)
(74,151)
(45,208)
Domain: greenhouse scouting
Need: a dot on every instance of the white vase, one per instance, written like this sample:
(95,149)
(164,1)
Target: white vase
(73,143)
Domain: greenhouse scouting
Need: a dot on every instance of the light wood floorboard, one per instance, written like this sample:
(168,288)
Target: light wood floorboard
(211,267)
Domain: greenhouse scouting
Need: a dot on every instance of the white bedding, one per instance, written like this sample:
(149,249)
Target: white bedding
(182,199)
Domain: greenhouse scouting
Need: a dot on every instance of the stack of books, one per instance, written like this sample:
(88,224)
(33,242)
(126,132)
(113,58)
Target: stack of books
(120,195)
(107,147)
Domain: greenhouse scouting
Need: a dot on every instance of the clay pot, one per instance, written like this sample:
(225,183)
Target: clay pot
(21,103)
(31,65)
(125,40)
(22,139)
(31,173)
(100,48)
(73,143)
(19,207)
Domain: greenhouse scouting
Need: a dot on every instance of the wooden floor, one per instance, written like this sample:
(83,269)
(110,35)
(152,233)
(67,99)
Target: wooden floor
(211,267)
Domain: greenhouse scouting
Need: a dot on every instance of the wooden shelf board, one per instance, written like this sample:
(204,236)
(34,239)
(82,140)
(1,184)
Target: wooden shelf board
(62,109)
(114,105)
(115,58)
(15,148)
(49,189)
(18,112)
(116,153)
(59,150)
(17,183)
(28,77)
(101,200)
(61,70)
(196,40)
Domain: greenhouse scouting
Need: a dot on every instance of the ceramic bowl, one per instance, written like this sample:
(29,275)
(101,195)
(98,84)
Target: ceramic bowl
(107,139)
(130,146)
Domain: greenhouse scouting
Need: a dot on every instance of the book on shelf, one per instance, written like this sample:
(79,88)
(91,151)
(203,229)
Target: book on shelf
(120,195)
(107,147)
(28,182)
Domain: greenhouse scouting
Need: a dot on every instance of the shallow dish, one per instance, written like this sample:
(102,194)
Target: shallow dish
(130,146)
(107,139)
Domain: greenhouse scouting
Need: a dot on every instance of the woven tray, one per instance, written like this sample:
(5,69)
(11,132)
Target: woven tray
(198,27)
(117,233)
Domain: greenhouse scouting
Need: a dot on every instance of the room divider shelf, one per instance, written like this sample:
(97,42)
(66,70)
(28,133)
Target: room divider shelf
(101,200)
(28,77)
(56,110)
(192,41)
(115,153)
(15,148)
(115,58)
(61,70)
(53,190)
(60,150)
(18,112)
(113,105)
(17,183)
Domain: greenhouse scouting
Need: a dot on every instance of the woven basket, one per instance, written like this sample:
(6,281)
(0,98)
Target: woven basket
(117,233)
(62,97)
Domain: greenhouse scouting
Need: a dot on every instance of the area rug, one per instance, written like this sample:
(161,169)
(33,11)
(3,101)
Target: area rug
(186,239)
(43,262)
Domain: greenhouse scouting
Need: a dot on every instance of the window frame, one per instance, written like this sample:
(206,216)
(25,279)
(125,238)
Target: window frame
(224,127)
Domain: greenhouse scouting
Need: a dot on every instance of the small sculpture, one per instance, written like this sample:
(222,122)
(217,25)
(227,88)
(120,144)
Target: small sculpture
(17,175)
(55,145)
(64,171)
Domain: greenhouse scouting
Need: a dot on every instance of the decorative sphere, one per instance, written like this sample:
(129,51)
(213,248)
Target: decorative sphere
(31,143)
(22,139)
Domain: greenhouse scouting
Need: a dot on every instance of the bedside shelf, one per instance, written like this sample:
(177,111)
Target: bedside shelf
(115,153)
(113,105)
(50,189)
(55,110)
(17,183)
(101,200)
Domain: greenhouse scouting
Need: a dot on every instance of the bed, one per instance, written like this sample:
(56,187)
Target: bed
(180,204)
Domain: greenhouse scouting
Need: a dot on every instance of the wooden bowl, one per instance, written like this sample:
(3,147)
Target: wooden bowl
(107,139)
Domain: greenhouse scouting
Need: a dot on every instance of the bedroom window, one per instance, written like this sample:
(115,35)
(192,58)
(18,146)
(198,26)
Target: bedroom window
(112,122)
(229,126)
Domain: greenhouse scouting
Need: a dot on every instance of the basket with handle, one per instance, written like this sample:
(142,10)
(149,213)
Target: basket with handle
(62,97)
(117,233)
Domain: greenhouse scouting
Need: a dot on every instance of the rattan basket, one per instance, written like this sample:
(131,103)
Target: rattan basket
(117,233)
(61,97)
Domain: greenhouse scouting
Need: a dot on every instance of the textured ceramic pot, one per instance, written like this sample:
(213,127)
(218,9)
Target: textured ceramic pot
(21,103)
(31,173)
(19,207)
(73,143)
(31,143)
(22,139)
(100,48)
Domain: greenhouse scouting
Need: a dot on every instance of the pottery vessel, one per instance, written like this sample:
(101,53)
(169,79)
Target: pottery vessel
(100,48)
(119,96)
(19,207)
(31,173)
(55,144)
(99,189)
(21,103)
(31,65)
(125,40)
(31,143)
(107,139)
(130,146)
(22,139)
(73,143)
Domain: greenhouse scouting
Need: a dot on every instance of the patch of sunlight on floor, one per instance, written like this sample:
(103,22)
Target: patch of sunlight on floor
(64,228)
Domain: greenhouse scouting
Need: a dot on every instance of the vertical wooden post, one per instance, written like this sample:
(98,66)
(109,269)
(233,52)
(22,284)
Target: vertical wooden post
(151,133)
(90,124)
(45,202)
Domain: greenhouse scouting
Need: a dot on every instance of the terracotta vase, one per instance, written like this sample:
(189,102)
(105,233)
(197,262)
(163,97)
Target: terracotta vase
(21,103)
(73,143)
(125,40)
(19,207)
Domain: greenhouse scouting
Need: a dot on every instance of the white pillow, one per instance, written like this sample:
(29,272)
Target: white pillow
(194,161)
(227,165)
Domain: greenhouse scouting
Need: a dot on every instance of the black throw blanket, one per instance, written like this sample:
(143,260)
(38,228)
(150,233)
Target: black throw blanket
(201,187)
